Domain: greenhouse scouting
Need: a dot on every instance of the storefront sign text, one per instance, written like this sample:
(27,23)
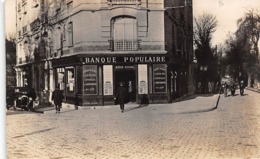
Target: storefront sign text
(126,59)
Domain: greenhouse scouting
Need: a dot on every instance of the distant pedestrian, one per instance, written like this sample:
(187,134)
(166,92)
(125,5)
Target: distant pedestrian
(241,87)
(121,95)
(258,86)
(210,87)
(57,97)
(199,87)
(225,89)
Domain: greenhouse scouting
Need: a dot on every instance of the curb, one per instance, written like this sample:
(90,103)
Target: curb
(252,89)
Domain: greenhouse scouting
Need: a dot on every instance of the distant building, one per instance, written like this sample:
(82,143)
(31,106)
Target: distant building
(32,47)
(88,48)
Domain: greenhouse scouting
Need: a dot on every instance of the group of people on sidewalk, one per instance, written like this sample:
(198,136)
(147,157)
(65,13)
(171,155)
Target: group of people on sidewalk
(56,97)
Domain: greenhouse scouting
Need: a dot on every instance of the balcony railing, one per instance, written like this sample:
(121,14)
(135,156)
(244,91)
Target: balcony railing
(124,45)
(124,2)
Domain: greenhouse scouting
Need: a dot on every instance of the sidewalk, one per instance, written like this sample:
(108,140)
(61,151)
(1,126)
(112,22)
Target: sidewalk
(189,104)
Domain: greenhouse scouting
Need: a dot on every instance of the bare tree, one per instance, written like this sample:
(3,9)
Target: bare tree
(10,61)
(207,70)
(205,26)
(250,25)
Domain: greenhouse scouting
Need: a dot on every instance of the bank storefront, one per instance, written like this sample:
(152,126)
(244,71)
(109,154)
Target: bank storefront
(95,79)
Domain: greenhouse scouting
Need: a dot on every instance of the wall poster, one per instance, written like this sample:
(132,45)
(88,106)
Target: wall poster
(159,78)
(108,79)
(142,79)
(90,82)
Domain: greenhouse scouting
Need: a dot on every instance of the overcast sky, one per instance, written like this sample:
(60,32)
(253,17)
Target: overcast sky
(227,12)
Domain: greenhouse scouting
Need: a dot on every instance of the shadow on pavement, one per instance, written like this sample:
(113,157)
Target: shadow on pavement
(20,111)
(193,96)
(200,111)
(138,107)
(66,111)
(36,132)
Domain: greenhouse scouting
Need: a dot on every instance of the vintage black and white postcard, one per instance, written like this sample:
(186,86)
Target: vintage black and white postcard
(134,79)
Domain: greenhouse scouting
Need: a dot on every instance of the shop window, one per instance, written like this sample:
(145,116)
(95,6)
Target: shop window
(108,79)
(70,81)
(124,34)
(60,78)
(142,79)
(159,78)
(90,81)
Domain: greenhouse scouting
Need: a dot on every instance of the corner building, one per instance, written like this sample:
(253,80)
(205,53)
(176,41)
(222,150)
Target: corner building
(94,45)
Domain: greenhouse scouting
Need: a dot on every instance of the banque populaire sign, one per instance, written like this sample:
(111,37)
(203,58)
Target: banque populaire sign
(125,59)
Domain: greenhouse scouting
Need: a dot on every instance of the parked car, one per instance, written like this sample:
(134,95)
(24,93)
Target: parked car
(16,97)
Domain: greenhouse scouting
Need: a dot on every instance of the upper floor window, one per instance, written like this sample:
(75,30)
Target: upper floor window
(124,34)
(180,43)
(24,2)
(70,33)
(25,29)
(19,7)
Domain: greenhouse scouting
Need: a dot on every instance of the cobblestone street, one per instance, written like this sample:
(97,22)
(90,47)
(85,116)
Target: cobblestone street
(190,129)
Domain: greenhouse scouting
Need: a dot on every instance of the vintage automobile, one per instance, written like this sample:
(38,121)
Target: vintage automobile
(16,97)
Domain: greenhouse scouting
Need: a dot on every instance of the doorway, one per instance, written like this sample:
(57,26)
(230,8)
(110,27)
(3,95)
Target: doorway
(127,75)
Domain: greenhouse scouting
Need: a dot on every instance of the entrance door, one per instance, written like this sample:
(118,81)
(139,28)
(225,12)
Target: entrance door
(127,76)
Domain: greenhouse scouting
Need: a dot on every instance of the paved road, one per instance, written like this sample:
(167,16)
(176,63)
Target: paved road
(191,129)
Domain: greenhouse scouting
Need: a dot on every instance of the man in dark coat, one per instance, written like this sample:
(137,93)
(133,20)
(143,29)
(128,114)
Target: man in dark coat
(121,95)
(32,96)
(57,98)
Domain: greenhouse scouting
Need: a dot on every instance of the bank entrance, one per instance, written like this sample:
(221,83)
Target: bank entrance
(127,75)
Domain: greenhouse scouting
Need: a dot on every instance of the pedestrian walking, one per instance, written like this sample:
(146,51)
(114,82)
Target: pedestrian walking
(32,96)
(57,97)
(121,95)
(241,87)
(258,86)
(225,89)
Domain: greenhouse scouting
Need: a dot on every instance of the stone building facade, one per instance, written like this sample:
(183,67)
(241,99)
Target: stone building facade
(87,48)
